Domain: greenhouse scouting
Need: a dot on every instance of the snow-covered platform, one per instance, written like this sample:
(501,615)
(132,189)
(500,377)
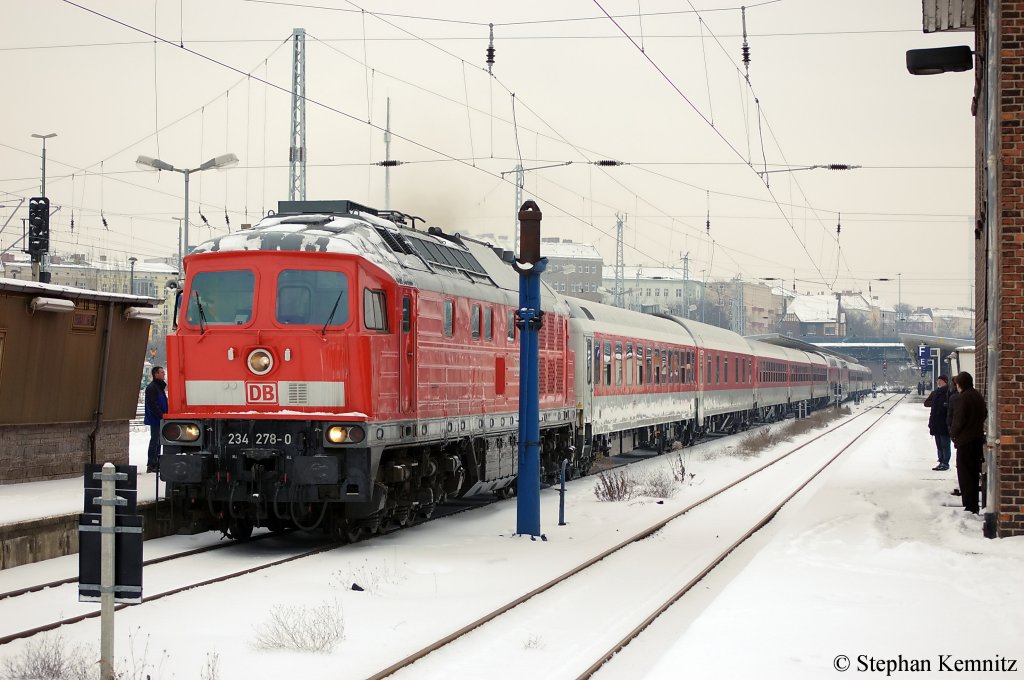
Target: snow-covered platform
(39,520)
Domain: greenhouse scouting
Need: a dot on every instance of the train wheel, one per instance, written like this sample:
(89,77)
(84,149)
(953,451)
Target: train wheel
(240,529)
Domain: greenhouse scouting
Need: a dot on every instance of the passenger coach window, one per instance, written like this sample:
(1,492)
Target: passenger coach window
(650,359)
(639,364)
(375,314)
(618,363)
(223,298)
(629,363)
(312,297)
(590,360)
(607,358)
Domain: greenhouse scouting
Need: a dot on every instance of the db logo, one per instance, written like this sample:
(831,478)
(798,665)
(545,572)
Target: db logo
(261,393)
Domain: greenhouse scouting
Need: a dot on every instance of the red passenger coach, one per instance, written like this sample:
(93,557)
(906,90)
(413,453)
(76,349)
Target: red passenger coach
(333,367)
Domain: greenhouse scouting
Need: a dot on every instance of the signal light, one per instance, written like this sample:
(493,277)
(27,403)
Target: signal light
(38,226)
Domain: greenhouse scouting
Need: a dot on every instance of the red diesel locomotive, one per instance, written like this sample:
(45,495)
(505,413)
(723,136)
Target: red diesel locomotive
(331,368)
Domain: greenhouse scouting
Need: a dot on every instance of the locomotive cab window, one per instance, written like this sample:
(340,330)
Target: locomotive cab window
(375,316)
(221,298)
(312,297)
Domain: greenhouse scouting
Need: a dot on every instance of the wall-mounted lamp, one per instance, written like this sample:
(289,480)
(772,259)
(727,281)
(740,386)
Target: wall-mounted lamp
(929,62)
(45,304)
(143,313)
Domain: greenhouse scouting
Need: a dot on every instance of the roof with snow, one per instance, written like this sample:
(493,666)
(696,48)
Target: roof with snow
(814,308)
(569,250)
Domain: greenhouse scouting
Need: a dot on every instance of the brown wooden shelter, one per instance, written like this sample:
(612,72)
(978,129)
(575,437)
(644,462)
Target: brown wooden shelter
(71,364)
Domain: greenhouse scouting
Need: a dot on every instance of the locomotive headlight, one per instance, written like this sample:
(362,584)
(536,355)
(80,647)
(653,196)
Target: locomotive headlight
(260,361)
(181,432)
(341,434)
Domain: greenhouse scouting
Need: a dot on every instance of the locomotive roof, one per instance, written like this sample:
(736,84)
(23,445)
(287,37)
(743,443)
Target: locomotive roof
(428,259)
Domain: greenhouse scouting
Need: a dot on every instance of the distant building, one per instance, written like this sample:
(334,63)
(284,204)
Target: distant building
(149,278)
(815,316)
(574,269)
(956,323)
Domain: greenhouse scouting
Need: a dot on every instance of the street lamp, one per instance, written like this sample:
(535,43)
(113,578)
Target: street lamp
(899,295)
(218,163)
(42,188)
(782,281)
(131,274)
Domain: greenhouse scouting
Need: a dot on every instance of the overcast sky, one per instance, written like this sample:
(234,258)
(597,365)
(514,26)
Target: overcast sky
(829,79)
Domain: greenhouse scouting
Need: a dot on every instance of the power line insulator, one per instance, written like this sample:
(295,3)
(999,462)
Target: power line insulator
(490,50)
(389,163)
(607,163)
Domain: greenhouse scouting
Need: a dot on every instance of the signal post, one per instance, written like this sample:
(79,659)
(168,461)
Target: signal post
(529,319)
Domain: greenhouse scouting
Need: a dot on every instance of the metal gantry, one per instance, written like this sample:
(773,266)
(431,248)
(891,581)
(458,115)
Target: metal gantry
(297,140)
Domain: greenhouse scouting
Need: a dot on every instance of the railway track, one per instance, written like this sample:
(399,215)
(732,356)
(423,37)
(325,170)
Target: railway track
(540,608)
(61,591)
(57,593)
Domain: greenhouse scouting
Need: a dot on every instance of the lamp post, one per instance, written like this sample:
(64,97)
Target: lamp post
(899,296)
(42,186)
(218,163)
(782,281)
(131,274)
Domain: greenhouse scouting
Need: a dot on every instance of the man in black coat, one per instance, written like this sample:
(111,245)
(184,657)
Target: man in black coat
(156,407)
(938,402)
(967,429)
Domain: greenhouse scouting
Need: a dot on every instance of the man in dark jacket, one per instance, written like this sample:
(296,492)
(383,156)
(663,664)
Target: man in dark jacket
(967,429)
(156,407)
(938,402)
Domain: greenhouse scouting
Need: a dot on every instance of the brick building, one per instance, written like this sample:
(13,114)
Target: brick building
(998,105)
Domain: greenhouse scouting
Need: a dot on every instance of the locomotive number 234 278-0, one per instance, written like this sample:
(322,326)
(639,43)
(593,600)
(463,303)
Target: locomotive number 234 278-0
(259,439)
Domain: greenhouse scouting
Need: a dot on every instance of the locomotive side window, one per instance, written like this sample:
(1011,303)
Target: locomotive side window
(449,318)
(217,298)
(474,322)
(375,316)
(511,327)
(406,314)
(488,323)
(312,297)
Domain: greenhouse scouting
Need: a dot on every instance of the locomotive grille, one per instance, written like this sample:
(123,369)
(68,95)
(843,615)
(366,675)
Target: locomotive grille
(298,394)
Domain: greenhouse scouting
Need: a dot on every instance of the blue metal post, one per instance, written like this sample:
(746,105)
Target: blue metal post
(530,265)
(561,496)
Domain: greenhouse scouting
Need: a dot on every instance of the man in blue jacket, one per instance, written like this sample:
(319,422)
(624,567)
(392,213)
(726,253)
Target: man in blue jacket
(156,407)
(938,401)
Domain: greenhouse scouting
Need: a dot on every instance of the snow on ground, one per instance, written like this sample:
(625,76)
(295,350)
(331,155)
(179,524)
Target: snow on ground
(35,500)
(868,561)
